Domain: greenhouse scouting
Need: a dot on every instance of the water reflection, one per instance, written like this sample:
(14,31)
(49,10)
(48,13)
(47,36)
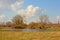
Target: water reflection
(28,30)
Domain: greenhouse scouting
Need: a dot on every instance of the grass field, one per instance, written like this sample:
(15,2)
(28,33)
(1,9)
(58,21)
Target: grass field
(19,35)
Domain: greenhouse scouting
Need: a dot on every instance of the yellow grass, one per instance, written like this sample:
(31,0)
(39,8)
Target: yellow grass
(19,35)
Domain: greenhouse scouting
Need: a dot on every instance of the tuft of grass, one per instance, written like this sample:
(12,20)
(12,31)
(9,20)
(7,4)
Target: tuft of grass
(54,29)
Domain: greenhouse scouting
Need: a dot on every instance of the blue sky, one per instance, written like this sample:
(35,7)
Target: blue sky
(52,6)
(10,8)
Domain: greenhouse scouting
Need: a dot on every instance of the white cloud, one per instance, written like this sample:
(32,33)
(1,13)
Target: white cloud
(55,19)
(6,4)
(2,16)
(29,11)
(16,5)
(58,17)
(1,5)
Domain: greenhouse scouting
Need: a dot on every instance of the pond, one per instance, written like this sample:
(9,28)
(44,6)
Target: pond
(27,30)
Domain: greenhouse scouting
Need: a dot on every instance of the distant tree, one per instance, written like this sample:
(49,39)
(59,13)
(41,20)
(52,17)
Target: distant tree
(2,24)
(44,19)
(8,24)
(17,19)
(58,19)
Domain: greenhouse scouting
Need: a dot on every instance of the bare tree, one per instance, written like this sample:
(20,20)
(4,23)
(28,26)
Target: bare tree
(44,18)
(18,22)
(58,19)
(17,19)
(8,24)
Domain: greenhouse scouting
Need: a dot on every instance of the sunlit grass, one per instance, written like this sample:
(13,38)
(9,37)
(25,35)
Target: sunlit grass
(54,29)
(19,35)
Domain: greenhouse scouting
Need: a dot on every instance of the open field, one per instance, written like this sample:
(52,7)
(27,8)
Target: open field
(19,35)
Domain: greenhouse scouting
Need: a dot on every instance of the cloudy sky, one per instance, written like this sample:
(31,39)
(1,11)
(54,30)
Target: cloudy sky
(29,8)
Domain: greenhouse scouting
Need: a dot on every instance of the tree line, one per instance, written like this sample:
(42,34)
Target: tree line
(18,23)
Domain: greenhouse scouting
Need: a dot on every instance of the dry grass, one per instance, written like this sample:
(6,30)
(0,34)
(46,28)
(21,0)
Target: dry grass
(19,35)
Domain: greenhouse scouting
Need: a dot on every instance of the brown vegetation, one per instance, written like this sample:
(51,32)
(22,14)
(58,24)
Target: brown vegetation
(18,22)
